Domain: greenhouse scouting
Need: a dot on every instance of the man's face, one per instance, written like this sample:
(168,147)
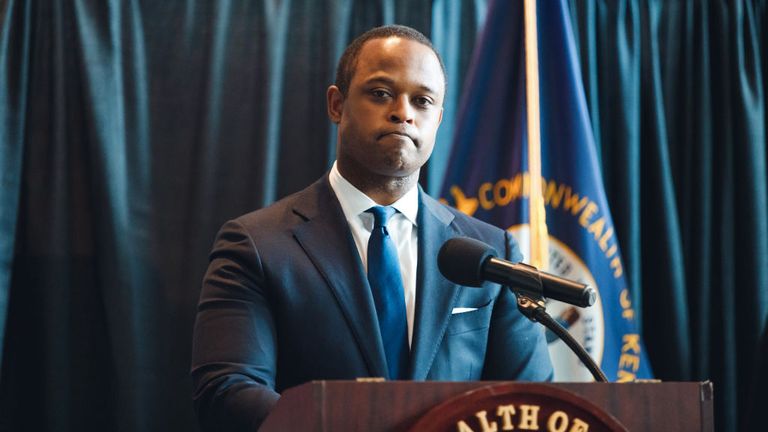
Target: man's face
(389,118)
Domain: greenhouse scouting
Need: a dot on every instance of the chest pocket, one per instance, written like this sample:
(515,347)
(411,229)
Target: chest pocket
(464,322)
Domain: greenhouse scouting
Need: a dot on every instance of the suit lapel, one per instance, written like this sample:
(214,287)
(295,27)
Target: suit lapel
(435,295)
(327,240)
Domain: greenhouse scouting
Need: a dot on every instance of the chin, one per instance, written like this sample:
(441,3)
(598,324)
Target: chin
(396,166)
(400,170)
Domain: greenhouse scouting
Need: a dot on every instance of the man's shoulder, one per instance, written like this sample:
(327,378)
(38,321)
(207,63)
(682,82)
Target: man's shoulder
(290,210)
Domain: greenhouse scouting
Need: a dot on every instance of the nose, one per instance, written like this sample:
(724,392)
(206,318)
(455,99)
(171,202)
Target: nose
(402,111)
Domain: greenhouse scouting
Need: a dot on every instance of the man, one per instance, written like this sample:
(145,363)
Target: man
(340,280)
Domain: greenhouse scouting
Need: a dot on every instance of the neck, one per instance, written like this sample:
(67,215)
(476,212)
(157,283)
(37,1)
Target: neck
(384,190)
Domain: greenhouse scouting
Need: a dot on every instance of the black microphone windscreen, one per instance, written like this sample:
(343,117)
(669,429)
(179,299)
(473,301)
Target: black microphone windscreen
(461,260)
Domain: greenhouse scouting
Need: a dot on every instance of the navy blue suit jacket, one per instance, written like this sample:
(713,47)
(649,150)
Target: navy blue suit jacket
(286,300)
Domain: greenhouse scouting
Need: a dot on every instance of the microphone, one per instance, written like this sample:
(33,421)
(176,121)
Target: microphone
(470,262)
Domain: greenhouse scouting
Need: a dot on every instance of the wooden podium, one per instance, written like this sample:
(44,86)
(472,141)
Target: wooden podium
(409,405)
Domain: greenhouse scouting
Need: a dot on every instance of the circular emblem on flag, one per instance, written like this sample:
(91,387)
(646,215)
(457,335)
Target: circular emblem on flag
(586,325)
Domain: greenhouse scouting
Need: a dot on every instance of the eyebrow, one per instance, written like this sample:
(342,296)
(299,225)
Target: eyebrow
(391,82)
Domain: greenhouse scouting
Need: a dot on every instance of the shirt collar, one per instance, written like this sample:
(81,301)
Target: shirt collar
(354,202)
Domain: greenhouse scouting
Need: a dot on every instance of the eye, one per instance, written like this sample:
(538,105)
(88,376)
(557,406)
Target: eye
(422,101)
(380,93)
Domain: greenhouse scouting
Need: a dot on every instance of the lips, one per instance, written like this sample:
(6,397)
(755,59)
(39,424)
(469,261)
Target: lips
(399,134)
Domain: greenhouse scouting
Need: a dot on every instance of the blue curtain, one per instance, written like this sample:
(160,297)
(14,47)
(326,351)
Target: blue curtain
(677,97)
(131,130)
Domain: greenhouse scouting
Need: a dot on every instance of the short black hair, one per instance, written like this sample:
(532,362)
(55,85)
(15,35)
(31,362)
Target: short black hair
(348,61)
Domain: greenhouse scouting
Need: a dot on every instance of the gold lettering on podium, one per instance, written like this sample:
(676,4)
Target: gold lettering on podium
(529,419)
(486,426)
(506,412)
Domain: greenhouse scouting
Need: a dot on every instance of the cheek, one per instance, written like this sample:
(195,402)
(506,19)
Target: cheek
(357,111)
(347,127)
(429,128)
(354,121)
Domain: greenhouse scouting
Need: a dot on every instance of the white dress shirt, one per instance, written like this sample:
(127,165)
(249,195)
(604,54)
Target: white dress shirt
(401,227)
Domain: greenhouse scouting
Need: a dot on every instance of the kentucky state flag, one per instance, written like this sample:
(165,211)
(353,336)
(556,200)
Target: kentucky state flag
(488,178)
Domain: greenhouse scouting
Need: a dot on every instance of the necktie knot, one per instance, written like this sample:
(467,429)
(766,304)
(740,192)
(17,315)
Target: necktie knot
(381,215)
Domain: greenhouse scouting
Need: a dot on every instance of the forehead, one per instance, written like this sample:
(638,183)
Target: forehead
(399,59)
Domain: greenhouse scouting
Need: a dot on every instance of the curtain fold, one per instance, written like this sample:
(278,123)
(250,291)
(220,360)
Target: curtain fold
(131,130)
(14,70)
(455,26)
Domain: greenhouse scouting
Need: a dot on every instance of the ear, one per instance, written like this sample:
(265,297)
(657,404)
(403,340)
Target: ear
(440,117)
(335,101)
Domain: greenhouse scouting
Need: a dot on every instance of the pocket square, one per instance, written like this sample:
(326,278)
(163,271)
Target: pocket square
(460,310)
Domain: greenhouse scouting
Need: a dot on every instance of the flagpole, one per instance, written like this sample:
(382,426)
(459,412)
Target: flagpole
(539,246)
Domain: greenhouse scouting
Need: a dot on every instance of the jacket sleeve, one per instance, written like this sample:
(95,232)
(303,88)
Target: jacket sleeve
(234,342)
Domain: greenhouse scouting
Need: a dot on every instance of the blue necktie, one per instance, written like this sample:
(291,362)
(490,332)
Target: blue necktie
(387,288)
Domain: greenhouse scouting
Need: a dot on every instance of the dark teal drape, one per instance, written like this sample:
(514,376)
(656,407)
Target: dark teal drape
(130,130)
(676,91)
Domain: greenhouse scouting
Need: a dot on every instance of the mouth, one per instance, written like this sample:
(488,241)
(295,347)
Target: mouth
(398,134)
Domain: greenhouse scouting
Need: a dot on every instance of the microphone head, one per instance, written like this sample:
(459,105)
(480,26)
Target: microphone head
(461,260)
